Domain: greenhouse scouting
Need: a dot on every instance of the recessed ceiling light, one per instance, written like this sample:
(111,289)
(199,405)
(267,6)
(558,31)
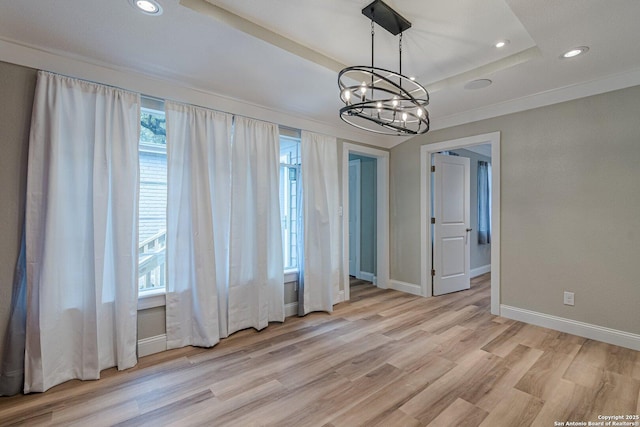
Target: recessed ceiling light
(501,43)
(149,7)
(478,84)
(574,52)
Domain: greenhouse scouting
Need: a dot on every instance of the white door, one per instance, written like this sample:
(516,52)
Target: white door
(451,248)
(354,218)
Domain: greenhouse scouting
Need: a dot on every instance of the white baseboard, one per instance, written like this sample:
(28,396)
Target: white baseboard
(291,309)
(409,288)
(151,345)
(586,330)
(475,272)
(369,277)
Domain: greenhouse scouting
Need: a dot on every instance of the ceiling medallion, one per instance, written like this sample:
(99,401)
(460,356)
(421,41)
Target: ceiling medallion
(379,100)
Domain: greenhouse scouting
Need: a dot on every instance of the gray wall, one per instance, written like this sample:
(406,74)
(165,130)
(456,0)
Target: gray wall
(570,206)
(480,254)
(368,212)
(17,86)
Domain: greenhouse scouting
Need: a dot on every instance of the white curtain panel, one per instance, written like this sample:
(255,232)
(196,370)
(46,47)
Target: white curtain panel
(256,288)
(320,194)
(81,234)
(198,206)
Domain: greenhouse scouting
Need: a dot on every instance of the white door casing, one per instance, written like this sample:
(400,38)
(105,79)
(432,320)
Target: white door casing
(451,249)
(426,232)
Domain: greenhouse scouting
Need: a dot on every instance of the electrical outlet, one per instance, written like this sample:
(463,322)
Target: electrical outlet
(569,298)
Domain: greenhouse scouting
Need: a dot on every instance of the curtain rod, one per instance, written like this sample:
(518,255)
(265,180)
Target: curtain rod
(158,99)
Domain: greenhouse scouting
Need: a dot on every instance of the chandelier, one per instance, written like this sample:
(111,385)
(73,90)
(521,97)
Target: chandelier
(380,100)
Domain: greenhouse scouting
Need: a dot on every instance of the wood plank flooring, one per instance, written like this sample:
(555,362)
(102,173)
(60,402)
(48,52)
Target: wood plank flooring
(383,359)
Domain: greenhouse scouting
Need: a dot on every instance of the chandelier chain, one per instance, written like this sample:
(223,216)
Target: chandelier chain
(373,33)
(400,56)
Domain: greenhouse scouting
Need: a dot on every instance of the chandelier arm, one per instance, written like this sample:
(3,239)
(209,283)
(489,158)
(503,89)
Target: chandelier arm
(347,112)
(403,92)
(397,129)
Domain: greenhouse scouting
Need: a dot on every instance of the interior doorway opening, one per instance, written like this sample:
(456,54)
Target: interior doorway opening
(368,260)
(427,250)
(362,217)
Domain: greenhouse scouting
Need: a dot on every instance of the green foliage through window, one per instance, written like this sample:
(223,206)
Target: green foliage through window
(153,127)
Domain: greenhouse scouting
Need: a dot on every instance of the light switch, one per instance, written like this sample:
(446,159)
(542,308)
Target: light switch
(569,298)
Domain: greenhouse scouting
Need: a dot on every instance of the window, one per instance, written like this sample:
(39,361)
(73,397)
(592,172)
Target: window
(289,178)
(152,207)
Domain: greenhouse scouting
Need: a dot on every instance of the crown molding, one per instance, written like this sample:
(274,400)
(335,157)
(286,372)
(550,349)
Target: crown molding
(554,96)
(169,87)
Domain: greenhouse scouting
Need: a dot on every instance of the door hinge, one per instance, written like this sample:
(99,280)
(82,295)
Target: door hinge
(433,220)
(433,272)
(433,168)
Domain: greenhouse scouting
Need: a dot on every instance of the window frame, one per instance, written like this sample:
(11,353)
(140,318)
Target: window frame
(289,136)
(154,297)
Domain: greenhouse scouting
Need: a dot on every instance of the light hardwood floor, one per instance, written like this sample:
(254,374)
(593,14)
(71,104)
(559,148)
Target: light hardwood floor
(383,359)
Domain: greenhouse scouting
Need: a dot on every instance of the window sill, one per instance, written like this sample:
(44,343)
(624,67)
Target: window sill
(157,297)
(151,299)
(290,276)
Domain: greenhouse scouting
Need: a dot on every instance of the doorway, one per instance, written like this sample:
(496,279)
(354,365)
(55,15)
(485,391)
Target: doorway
(379,247)
(450,223)
(362,217)
(355,203)
(426,193)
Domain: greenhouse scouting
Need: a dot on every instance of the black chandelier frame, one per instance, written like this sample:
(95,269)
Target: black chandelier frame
(394,103)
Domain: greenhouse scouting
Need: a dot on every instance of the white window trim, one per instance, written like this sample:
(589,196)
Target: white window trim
(290,276)
(152,298)
(158,297)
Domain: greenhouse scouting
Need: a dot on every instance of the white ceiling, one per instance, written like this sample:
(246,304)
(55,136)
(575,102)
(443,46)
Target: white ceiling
(284,54)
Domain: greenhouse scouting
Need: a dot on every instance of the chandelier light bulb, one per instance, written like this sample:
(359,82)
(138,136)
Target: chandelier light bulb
(404,117)
(419,112)
(363,88)
(395,101)
(347,94)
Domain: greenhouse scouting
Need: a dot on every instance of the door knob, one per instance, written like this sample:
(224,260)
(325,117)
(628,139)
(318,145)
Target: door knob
(469,229)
